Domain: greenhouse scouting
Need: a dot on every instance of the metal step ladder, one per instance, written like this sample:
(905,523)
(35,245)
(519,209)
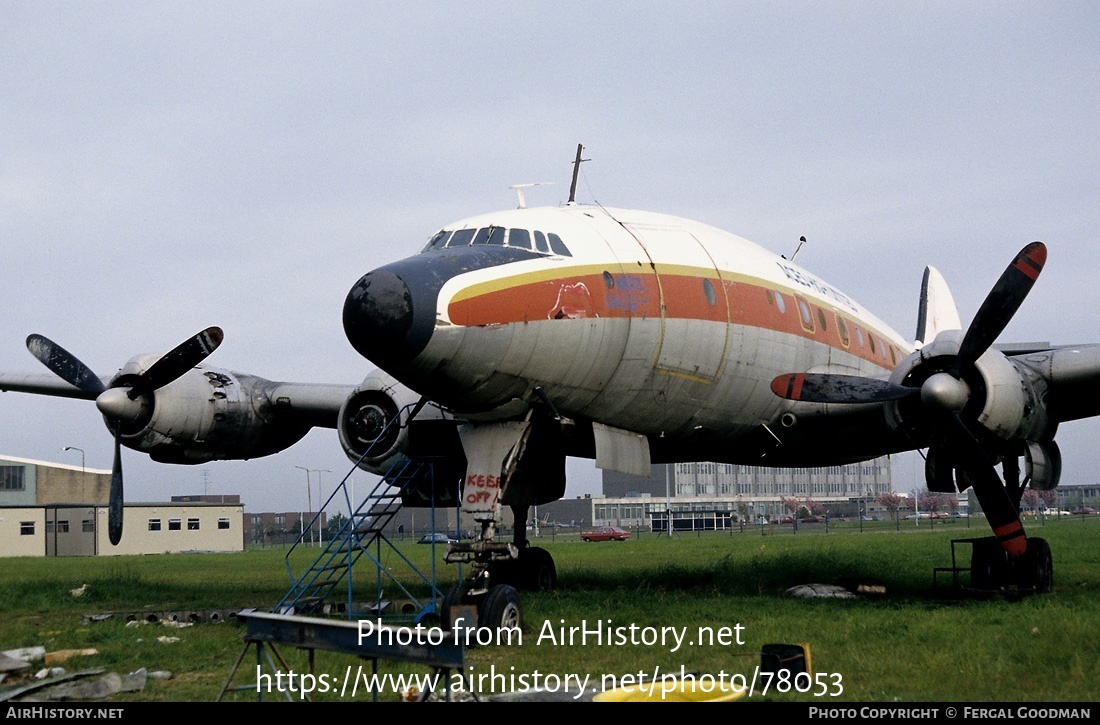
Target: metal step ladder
(314,591)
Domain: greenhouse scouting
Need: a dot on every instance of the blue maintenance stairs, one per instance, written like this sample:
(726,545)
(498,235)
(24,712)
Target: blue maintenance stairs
(325,587)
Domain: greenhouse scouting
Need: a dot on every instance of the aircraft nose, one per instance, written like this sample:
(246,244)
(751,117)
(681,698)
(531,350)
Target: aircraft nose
(380,319)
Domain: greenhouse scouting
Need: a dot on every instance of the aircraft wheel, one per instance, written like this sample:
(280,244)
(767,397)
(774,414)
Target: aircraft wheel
(500,609)
(1036,567)
(455,596)
(989,568)
(539,572)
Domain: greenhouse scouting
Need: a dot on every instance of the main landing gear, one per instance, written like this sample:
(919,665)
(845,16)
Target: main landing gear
(991,569)
(499,571)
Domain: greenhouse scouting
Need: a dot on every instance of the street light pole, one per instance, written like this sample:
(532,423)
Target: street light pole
(320,502)
(309,502)
(83,470)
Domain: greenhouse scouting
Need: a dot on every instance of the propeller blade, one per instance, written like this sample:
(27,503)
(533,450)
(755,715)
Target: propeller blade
(179,360)
(999,510)
(1001,303)
(64,364)
(114,504)
(826,388)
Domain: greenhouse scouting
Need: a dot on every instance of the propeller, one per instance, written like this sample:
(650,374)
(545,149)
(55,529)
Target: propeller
(945,394)
(126,402)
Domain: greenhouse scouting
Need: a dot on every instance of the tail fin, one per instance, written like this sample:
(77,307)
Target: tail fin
(937,308)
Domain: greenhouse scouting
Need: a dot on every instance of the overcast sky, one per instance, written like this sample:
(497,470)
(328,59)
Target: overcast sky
(169,166)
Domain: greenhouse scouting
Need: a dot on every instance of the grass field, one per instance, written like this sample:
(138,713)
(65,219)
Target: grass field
(914,643)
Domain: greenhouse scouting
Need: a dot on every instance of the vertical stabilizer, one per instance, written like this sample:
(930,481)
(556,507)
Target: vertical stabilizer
(937,308)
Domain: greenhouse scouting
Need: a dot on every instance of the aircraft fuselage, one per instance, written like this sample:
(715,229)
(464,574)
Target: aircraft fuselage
(640,321)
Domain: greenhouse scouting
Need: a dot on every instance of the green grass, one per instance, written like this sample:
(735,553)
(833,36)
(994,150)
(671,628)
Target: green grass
(915,643)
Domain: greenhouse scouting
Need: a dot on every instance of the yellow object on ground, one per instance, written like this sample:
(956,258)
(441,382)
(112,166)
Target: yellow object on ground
(692,689)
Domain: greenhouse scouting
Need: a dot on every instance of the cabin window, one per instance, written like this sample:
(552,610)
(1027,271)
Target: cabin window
(871,339)
(821,319)
(609,280)
(842,330)
(154,524)
(708,292)
(775,298)
(805,315)
(859,337)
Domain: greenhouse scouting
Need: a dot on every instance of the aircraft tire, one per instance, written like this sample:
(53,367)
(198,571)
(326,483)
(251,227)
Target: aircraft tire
(1036,567)
(455,596)
(539,572)
(989,567)
(500,609)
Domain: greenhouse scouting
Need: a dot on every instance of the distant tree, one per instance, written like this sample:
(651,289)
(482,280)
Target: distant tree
(815,508)
(1030,499)
(792,504)
(891,502)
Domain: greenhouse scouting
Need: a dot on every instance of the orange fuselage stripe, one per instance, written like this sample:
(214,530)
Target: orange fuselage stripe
(590,295)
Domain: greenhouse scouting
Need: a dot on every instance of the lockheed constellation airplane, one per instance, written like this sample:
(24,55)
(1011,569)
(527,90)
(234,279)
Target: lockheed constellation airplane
(515,339)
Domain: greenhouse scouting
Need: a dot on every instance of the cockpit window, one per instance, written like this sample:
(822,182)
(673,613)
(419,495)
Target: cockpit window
(517,238)
(438,241)
(558,245)
(461,238)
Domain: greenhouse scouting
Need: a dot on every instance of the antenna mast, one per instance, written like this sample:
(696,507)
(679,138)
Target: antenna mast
(576,172)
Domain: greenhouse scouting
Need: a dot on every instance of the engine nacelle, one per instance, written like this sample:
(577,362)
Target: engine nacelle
(1006,398)
(206,414)
(373,422)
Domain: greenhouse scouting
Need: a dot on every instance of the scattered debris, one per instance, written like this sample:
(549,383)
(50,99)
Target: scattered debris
(833,591)
(168,640)
(27,654)
(51,658)
(79,591)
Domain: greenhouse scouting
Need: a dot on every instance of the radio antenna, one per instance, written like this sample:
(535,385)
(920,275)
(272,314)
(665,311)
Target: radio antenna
(576,172)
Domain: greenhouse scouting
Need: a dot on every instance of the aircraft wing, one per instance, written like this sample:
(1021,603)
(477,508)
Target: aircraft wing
(316,402)
(43,384)
(1072,373)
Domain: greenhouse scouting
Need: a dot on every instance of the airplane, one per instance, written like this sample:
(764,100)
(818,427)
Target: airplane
(515,339)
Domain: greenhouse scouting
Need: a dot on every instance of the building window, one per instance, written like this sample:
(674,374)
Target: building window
(175,524)
(223,523)
(62,527)
(26,528)
(154,524)
(13,478)
(87,526)
(192,524)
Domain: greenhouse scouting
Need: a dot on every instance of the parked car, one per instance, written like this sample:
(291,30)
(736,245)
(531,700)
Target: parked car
(605,533)
(436,539)
(785,520)
(813,520)
(1084,510)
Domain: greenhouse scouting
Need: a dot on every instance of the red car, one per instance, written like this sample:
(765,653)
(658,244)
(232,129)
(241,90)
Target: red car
(605,533)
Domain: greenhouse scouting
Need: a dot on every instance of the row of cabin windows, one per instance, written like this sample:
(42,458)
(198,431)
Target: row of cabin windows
(544,243)
(806,317)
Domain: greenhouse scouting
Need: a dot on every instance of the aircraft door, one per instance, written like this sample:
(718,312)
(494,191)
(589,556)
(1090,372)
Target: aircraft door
(694,305)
